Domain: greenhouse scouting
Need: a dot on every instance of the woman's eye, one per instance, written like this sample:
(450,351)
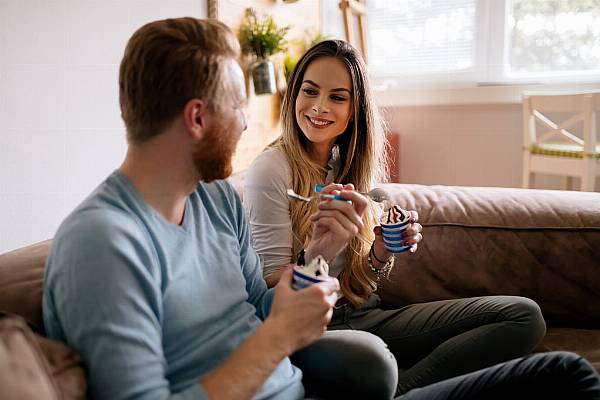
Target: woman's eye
(338,98)
(309,91)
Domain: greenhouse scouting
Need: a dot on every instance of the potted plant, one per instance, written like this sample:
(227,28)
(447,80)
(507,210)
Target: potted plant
(296,49)
(262,39)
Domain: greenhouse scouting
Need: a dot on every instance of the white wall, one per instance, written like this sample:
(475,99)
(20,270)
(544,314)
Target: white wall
(60,126)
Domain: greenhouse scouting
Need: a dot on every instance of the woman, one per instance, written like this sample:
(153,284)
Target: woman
(332,133)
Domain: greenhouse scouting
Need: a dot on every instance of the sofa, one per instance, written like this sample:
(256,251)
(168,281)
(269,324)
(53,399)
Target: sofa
(541,244)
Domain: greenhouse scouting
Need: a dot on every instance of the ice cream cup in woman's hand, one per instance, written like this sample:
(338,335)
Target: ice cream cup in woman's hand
(394,221)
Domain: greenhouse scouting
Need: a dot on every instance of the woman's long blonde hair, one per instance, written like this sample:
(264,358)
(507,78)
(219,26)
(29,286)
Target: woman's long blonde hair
(363,161)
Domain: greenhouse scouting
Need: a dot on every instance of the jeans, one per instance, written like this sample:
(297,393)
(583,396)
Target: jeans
(556,375)
(348,364)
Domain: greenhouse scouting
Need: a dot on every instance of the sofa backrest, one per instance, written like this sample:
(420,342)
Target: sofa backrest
(477,241)
(541,244)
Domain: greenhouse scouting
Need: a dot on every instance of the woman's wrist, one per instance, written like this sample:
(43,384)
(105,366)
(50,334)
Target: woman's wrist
(384,266)
(309,254)
(377,259)
(381,260)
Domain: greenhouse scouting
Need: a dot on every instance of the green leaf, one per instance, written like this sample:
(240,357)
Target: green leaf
(262,38)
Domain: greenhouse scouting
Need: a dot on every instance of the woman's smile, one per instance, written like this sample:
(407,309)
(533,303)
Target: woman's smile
(324,105)
(318,123)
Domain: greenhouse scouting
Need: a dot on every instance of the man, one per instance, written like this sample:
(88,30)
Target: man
(152,278)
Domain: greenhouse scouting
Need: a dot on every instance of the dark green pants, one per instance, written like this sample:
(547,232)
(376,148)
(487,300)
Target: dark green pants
(431,342)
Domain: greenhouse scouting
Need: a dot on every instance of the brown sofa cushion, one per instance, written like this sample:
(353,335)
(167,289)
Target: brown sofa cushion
(21,279)
(483,241)
(34,367)
(23,372)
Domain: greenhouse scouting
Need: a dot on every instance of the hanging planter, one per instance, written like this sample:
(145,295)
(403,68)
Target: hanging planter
(262,39)
(263,77)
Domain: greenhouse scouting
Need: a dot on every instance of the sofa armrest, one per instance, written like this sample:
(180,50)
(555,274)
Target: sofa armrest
(484,241)
(21,281)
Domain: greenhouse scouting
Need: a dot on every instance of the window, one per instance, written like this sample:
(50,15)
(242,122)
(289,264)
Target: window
(417,37)
(479,41)
(553,37)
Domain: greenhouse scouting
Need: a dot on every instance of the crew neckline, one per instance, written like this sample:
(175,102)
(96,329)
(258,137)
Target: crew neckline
(184,226)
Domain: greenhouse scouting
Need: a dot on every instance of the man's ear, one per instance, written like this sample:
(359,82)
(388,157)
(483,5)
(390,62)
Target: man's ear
(196,117)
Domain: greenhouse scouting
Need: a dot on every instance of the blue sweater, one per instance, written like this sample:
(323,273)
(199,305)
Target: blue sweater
(153,306)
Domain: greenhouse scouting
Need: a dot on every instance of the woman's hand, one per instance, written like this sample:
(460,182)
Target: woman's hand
(412,236)
(336,222)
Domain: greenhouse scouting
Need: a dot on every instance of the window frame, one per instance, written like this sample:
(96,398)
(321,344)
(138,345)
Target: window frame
(489,61)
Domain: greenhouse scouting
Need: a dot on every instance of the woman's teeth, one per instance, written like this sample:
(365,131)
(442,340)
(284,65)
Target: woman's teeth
(319,122)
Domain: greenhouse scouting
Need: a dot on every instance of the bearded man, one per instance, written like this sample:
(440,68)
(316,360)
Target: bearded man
(152,278)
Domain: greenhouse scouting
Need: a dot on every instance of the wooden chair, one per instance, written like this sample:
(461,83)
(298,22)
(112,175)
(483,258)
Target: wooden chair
(358,9)
(559,151)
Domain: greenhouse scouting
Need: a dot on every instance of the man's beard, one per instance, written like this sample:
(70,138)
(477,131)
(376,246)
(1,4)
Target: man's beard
(213,155)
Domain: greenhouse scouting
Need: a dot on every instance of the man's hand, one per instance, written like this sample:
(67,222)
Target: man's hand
(336,222)
(297,318)
(301,316)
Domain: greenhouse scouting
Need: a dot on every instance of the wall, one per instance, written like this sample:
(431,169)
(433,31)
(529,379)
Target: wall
(467,144)
(476,145)
(60,126)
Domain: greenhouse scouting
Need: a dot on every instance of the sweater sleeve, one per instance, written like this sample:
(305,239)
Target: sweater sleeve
(258,294)
(268,210)
(103,297)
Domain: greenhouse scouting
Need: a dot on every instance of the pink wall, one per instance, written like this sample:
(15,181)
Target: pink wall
(470,145)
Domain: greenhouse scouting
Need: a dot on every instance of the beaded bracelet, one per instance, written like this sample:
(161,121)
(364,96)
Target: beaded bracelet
(383,271)
(372,251)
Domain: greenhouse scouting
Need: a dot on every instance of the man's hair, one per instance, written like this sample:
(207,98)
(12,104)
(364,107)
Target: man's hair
(166,64)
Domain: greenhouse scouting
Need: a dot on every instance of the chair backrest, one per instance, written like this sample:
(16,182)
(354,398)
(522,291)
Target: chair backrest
(351,9)
(581,107)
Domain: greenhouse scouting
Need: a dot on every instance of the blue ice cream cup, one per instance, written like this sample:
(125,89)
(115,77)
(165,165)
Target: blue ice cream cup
(394,222)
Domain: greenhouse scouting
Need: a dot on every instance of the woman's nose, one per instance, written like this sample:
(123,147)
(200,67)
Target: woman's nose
(320,106)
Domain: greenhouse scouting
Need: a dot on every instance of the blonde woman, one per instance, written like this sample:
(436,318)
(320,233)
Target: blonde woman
(333,134)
